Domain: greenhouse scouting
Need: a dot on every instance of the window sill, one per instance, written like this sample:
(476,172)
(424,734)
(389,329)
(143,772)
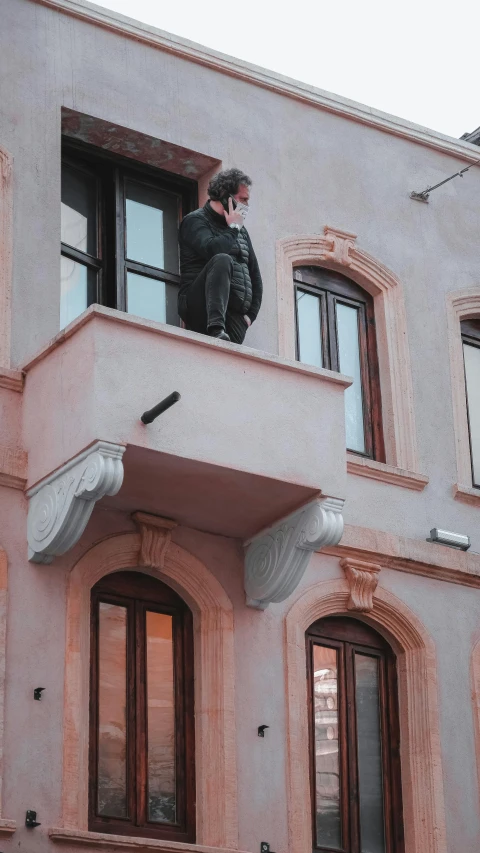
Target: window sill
(363,467)
(466,494)
(104,841)
(7,827)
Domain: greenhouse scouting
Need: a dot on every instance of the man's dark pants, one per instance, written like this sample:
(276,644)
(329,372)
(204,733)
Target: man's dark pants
(208,301)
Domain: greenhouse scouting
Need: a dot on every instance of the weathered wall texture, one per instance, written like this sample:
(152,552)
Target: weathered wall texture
(311,169)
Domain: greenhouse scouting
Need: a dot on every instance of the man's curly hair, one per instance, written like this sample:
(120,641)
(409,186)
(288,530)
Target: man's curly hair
(227,183)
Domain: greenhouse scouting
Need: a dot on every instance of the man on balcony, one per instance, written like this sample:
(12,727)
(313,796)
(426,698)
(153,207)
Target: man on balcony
(221,286)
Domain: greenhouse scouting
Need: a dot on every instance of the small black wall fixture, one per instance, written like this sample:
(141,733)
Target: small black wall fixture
(265,847)
(157,410)
(31,819)
(37,693)
(261,730)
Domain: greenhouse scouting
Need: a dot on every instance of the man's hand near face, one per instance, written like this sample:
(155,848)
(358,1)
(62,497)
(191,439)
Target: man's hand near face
(233,218)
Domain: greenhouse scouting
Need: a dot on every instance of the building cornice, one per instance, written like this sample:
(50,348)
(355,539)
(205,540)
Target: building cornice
(12,380)
(413,556)
(258,76)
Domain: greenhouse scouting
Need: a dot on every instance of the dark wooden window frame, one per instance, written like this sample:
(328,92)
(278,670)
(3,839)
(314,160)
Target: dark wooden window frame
(111,173)
(332,287)
(138,593)
(347,636)
(471,335)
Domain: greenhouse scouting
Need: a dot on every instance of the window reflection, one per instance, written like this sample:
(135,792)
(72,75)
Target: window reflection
(472,378)
(309,328)
(327,762)
(152,227)
(112,722)
(369,755)
(161,719)
(349,363)
(78,222)
(77,289)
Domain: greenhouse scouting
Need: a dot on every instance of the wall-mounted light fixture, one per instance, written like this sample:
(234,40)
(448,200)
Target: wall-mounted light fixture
(37,693)
(446,537)
(261,730)
(31,819)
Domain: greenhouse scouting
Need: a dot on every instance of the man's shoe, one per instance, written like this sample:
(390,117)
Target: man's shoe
(216,332)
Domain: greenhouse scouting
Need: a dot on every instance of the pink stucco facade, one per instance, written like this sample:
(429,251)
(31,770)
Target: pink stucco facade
(257,437)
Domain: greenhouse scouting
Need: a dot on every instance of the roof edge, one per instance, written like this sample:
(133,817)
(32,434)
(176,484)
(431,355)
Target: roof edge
(263,77)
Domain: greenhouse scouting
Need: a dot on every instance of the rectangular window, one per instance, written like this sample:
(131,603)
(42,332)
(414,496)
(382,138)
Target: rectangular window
(141,772)
(471,354)
(119,233)
(335,327)
(354,739)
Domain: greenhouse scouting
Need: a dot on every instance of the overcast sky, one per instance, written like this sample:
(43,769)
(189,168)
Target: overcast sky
(417,59)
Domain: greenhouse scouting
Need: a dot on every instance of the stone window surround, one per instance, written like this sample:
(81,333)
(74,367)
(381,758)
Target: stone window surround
(6,223)
(152,551)
(461,304)
(7,827)
(422,781)
(337,250)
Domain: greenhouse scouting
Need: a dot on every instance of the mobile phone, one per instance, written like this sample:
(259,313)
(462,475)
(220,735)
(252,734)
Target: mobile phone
(224,202)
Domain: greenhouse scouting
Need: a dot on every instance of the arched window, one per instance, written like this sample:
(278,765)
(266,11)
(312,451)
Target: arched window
(142,776)
(335,327)
(354,739)
(471,356)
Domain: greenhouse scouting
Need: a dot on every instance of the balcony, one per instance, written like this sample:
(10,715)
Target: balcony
(253,437)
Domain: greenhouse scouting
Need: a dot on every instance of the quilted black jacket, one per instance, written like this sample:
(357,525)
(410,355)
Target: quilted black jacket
(204,234)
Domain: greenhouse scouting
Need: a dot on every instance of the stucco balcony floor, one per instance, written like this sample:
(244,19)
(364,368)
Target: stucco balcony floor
(252,438)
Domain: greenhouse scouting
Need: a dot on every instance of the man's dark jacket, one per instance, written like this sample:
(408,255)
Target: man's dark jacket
(204,234)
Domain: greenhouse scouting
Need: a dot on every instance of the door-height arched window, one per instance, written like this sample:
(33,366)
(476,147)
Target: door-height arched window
(471,358)
(142,776)
(335,327)
(354,739)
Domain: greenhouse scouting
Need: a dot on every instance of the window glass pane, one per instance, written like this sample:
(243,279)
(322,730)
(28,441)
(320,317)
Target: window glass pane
(79,210)
(161,719)
(369,755)
(309,328)
(146,297)
(327,762)
(349,363)
(112,711)
(472,377)
(78,289)
(152,227)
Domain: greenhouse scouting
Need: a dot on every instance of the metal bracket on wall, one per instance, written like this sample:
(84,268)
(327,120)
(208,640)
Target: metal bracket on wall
(31,819)
(265,847)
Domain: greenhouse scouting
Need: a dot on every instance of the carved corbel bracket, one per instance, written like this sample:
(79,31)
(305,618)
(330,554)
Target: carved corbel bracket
(276,560)
(341,242)
(61,504)
(362,579)
(155,537)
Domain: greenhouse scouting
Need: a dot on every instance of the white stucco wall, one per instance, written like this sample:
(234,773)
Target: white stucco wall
(310,168)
